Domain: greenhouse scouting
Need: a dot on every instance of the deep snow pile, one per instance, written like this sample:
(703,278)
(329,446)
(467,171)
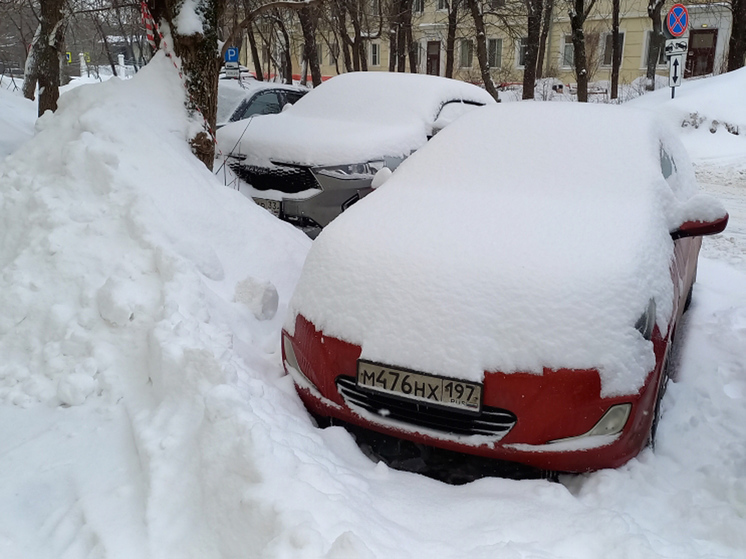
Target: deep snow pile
(144,414)
(16,120)
(711,113)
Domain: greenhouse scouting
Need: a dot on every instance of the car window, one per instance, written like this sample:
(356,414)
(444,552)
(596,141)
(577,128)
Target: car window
(668,165)
(451,111)
(264,103)
(293,96)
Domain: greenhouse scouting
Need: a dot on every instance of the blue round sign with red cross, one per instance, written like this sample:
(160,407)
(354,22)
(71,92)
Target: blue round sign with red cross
(677,20)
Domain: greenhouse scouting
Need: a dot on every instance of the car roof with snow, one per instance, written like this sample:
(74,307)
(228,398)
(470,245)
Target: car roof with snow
(353,117)
(520,238)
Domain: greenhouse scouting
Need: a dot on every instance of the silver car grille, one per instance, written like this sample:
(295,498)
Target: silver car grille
(491,422)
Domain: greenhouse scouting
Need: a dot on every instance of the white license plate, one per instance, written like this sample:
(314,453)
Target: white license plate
(419,386)
(272,206)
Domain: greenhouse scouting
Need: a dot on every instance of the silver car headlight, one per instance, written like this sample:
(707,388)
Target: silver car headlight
(612,423)
(352,171)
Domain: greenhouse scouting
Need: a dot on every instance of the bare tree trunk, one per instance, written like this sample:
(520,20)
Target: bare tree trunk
(48,55)
(451,36)
(737,43)
(256,59)
(401,40)
(393,24)
(578,15)
(31,69)
(200,64)
(407,25)
(656,41)
(616,51)
(484,66)
(308,25)
(105,40)
(535,10)
(546,24)
(339,10)
(287,64)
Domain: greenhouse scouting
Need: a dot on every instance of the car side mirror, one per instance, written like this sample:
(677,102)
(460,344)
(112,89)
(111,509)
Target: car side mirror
(699,228)
(701,214)
(380,177)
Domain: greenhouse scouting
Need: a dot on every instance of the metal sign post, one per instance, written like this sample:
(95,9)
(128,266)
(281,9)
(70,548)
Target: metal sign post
(231,63)
(677,21)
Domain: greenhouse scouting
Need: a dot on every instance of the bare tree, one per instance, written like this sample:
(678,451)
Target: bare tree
(546,22)
(737,43)
(616,50)
(308,20)
(656,41)
(477,14)
(453,7)
(534,13)
(579,12)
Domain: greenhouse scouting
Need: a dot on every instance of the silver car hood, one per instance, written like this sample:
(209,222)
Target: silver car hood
(288,138)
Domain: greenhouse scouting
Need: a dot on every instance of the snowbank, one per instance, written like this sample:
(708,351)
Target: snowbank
(17,115)
(143,413)
(711,111)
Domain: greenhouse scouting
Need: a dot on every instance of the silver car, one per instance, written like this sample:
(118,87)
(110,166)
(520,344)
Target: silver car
(238,100)
(320,156)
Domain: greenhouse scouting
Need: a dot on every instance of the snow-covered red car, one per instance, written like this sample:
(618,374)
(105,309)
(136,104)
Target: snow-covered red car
(512,291)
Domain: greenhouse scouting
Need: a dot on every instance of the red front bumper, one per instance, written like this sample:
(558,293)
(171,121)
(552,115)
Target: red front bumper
(555,405)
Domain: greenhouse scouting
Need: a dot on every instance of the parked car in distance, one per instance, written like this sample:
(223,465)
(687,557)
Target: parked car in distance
(313,161)
(239,100)
(512,291)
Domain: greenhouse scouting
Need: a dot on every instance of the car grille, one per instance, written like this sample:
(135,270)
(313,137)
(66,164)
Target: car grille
(490,421)
(287,179)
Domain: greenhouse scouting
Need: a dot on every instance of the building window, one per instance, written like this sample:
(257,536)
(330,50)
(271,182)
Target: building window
(496,4)
(495,53)
(568,52)
(608,51)
(375,54)
(649,44)
(467,53)
(418,6)
(522,51)
(442,4)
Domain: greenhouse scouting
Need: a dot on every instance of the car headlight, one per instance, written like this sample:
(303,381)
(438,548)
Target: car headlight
(352,171)
(612,422)
(646,323)
(291,359)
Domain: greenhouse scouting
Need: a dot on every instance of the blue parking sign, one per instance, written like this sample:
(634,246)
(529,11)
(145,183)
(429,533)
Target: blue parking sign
(231,54)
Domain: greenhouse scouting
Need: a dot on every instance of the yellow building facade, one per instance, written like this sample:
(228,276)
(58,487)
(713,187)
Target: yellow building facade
(708,34)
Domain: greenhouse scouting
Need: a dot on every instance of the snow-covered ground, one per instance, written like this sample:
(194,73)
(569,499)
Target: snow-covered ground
(142,404)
